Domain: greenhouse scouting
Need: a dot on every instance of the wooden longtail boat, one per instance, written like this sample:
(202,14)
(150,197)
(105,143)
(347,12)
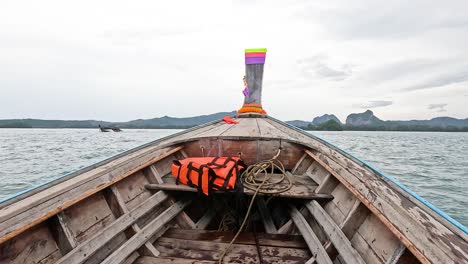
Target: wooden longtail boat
(128,209)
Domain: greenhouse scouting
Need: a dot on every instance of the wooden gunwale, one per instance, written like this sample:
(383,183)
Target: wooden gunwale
(374,210)
(326,148)
(29,192)
(7,234)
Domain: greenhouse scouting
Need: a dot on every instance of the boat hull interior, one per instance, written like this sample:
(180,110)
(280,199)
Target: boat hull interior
(128,209)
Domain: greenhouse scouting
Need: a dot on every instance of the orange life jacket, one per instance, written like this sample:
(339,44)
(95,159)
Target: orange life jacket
(208,173)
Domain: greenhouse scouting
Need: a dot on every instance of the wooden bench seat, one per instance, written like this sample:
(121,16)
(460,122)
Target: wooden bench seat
(303,188)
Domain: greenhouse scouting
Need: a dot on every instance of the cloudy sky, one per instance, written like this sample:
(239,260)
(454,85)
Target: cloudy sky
(117,61)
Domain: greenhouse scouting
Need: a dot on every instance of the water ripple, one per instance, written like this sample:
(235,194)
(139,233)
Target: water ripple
(435,165)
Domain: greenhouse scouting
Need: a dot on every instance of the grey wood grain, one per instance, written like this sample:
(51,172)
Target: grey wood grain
(334,233)
(83,251)
(309,236)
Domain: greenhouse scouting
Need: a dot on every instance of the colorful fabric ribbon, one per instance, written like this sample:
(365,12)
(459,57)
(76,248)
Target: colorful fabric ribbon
(255,56)
(246,91)
(229,120)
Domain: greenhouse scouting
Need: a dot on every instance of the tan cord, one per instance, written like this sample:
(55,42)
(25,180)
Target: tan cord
(250,179)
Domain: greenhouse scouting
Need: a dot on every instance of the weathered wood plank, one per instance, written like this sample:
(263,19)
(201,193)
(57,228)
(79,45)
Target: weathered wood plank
(402,255)
(311,239)
(171,260)
(366,251)
(364,200)
(380,239)
(145,234)
(354,219)
(99,239)
(297,192)
(132,258)
(183,220)
(287,228)
(273,240)
(62,233)
(147,249)
(399,210)
(327,185)
(207,217)
(400,217)
(247,127)
(68,193)
(215,131)
(396,254)
(37,245)
(311,260)
(317,172)
(208,250)
(268,223)
(334,233)
(132,189)
(89,216)
(298,163)
(269,131)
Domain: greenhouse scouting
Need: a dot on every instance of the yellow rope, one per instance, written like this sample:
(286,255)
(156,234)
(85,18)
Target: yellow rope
(251,180)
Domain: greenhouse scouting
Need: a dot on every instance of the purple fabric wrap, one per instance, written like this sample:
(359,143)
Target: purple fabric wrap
(246,91)
(255,60)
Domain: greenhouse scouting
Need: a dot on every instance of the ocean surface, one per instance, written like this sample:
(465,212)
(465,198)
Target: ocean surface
(433,164)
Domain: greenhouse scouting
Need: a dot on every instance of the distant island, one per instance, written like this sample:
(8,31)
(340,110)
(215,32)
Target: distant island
(365,121)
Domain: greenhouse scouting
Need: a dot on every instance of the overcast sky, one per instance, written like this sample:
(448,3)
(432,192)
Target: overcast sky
(117,61)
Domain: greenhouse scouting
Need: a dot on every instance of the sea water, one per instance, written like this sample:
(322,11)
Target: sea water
(433,164)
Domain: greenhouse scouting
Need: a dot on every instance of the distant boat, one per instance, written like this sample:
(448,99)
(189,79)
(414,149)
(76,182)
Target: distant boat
(108,129)
(104,129)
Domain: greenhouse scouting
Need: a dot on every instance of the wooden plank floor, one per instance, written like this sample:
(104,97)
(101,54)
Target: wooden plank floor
(303,188)
(204,246)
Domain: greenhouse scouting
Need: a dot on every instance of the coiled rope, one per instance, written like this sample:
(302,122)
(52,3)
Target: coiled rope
(257,177)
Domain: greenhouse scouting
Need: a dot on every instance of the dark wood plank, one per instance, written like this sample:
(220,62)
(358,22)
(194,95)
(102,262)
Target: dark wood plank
(334,233)
(240,253)
(208,216)
(171,260)
(62,233)
(36,245)
(267,220)
(274,240)
(145,234)
(309,236)
(114,197)
(84,250)
(297,192)
(402,255)
(183,220)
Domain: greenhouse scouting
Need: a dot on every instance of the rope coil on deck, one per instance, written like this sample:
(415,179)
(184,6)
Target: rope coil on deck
(257,177)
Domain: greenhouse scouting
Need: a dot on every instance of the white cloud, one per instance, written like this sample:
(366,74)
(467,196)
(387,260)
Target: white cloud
(437,107)
(374,104)
(121,60)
